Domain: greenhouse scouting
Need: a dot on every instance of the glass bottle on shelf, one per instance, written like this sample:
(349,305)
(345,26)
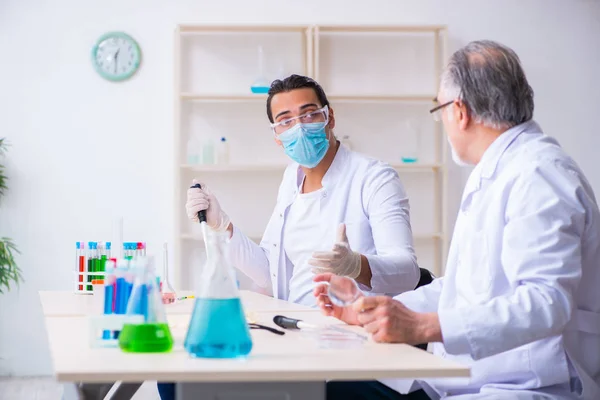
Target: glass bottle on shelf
(261,85)
(208,149)
(411,139)
(192,150)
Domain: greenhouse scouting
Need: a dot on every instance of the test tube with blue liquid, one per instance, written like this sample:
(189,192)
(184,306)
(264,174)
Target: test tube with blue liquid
(109,292)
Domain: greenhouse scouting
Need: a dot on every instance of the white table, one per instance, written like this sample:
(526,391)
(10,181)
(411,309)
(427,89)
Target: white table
(292,364)
(70,304)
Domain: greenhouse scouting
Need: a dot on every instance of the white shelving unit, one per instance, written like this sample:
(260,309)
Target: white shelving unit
(376,78)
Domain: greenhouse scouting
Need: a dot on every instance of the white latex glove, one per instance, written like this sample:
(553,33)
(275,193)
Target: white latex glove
(341,260)
(203,199)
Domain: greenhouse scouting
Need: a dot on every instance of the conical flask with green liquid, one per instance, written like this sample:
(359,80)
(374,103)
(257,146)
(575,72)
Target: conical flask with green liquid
(153,335)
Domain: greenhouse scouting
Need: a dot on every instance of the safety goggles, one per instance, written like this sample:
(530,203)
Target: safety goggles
(320,115)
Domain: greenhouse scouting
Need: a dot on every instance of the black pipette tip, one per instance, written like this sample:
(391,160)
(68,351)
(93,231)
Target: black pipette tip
(201,214)
(285,322)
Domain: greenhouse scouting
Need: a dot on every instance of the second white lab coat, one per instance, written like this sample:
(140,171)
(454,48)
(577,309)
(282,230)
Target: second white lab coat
(363,193)
(520,299)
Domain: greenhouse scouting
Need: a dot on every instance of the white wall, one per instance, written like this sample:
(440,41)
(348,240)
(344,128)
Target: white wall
(84,150)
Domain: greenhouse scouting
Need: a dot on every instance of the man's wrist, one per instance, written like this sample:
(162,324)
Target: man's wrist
(430,329)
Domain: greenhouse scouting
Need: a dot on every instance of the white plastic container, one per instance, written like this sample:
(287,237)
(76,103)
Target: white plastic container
(223,151)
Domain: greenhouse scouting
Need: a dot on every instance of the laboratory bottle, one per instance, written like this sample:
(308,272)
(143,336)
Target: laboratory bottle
(218,327)
(223,151)
(153,334)
(208,150)
(192,149)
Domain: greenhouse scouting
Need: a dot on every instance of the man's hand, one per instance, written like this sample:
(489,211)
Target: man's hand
(389,321)
(345,314)
(341,260)
(203,199)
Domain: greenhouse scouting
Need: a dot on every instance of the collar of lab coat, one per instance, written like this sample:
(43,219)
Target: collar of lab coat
(333,173)
(486,168)
(491,157)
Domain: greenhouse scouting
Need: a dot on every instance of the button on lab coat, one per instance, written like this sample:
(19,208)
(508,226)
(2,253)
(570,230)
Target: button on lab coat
(363,193)
(520,300)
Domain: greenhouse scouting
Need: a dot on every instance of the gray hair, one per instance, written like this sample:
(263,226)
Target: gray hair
(489,79)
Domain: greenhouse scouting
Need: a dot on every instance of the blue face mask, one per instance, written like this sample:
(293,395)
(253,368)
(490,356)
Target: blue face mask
(306,144)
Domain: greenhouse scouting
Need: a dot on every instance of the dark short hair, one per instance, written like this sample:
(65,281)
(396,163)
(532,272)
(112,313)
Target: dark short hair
(293,82)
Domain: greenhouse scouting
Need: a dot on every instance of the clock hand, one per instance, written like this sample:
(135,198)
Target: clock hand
(116,61)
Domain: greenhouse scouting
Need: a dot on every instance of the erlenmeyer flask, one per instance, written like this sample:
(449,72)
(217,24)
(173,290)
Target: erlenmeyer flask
(153,335)
(218,328)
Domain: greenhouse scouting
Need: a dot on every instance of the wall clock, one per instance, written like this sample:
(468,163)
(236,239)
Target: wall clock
(116,56)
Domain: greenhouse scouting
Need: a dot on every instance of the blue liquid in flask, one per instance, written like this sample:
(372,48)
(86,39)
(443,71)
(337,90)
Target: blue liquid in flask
(218,329)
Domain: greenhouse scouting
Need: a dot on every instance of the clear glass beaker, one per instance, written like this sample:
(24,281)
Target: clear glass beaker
(153,335)
(261,84)
(411,141)
(218,328)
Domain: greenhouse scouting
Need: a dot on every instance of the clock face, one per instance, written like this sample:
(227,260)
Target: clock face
(116,56)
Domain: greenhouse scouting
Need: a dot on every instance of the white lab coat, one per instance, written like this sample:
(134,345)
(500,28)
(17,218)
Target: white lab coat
(363,193)
(520,302)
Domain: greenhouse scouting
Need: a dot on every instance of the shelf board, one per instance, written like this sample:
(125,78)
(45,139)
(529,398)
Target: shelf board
(427,236)
(184,28)
(380,29)
(341,98)
(217,98)
(280,167)
(373,98)
(415,167)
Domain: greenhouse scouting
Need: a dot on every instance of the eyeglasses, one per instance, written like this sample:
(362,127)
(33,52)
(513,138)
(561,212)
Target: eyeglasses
(436,113)
(320,115)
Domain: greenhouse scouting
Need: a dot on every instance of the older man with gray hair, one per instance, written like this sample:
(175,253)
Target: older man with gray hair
(520,299)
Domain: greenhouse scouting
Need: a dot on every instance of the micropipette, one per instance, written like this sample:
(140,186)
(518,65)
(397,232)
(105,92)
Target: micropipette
(202,219)
(291,323)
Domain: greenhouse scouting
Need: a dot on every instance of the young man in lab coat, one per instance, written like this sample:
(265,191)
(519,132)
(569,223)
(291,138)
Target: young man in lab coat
(519,302)
(337,211)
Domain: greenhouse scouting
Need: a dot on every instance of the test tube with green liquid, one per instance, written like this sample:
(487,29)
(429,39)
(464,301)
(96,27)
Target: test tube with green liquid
(92,263)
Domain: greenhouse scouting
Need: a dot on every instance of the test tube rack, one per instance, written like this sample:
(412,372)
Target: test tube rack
(91,258)
(99,324)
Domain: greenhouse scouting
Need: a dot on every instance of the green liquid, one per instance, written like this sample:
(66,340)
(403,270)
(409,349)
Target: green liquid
(101,267)
(146,338)
(92,265)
